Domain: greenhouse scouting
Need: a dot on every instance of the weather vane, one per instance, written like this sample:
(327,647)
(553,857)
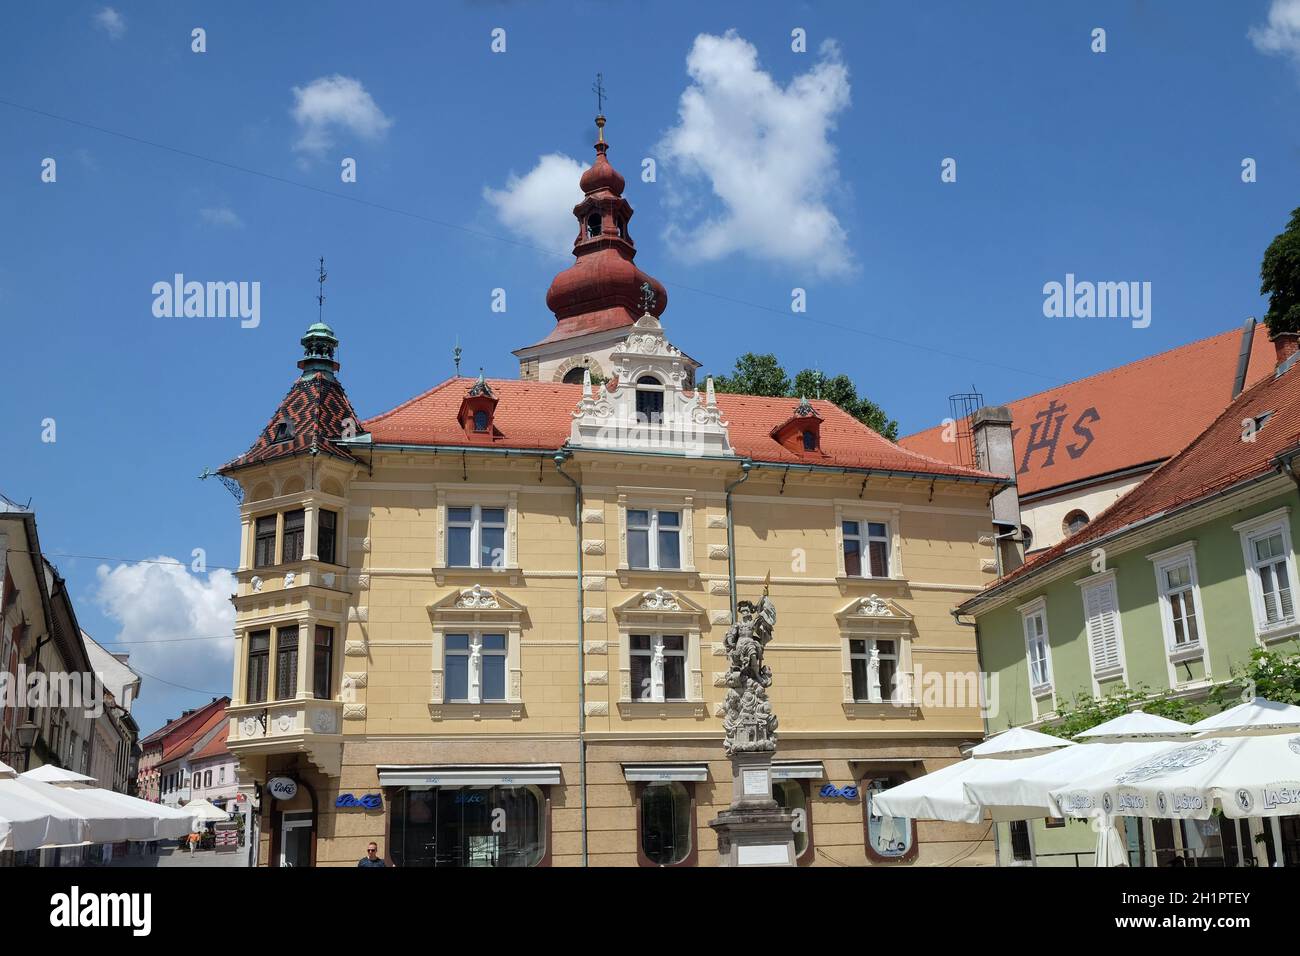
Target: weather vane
(647,297)
(599,89)
(320,296)
(455,356)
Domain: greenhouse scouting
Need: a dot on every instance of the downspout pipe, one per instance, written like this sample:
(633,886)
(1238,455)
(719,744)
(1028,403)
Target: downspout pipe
(745,466)
(560,458)
(984,715)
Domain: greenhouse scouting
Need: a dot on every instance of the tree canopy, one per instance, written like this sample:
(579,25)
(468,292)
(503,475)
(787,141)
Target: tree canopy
(1280,279)
(763,375)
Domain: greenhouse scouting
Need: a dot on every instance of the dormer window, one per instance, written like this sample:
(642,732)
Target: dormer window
(593,225)
(283,431)
(649,399)
(801,432)
(481,420)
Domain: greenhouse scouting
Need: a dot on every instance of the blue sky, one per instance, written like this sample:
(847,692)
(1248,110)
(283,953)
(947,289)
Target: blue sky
(1115,166)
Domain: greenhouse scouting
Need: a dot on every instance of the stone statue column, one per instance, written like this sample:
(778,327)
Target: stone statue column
(754,830)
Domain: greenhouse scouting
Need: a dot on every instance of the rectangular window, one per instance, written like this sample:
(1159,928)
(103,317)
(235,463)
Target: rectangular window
(1035,624)
(264,548)
(474,668)
(1176,582)
(294,522)
(323,676)
(654,539)
(286,662)
(476,537)
(1102,609)
(259,650)
(658,666)
(873,665)
(325,536)
(1269,556)
(866,554)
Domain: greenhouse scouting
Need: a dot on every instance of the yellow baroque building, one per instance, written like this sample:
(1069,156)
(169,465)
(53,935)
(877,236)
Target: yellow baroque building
(485,628)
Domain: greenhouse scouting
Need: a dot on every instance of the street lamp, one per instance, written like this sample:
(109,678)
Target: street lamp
(27,733)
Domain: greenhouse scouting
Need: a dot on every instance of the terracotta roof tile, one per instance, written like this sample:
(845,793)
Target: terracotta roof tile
(1133,415)
(538,415)
(316,409)
(216,747)
(1215,460)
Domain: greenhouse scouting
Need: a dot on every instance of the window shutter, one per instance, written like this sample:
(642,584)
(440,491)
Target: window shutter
(1103,627)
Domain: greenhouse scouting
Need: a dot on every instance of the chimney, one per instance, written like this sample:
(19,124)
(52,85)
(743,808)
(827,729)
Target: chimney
(1285,344)
(991,430)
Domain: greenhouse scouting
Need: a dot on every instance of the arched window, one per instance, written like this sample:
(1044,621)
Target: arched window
(622,227)
(1074,521)
(649,399)
(666,823)
(480,421)
(593,225)
(1027,536)
(573,376)
(810,440)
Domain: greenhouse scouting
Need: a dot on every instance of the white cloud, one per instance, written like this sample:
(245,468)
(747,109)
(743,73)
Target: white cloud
(765,153)
(539,204)
(111,22)
(332,104)
(221,216)
(1282,32)
(156,603)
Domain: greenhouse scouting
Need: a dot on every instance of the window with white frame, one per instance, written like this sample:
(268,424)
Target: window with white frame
(1101,608)
(476,536)
(874,665)
(1180,601)
(658,665)
(1035,625)
(475,668)
(1268,556)
(654,539)
(866,549)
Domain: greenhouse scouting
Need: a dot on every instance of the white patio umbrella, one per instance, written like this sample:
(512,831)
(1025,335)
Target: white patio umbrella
(1136,725)
(942,795)
(205,812)
(1248,776)
(1258,716)
(166,823)
(29,822)
(105,822)
(1111,850)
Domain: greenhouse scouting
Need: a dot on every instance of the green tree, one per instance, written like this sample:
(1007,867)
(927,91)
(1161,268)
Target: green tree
(1267,674)
(1280,279)
(1084,712)
(764,375)
(755,375)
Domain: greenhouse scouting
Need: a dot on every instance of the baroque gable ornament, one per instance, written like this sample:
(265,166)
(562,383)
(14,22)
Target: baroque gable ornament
(875,606)
(477,597)
(659,600)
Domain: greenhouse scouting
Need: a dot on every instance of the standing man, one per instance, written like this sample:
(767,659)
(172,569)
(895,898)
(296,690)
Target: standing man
(372,857)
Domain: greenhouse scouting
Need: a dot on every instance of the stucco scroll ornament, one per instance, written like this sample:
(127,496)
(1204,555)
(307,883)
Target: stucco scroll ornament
(477,596)
(748,722)
(875,606)
(659,600)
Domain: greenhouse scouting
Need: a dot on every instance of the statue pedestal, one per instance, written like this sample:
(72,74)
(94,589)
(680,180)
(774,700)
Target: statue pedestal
(754,830)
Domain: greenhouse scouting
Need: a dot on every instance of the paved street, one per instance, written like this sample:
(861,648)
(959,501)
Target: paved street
(171,854)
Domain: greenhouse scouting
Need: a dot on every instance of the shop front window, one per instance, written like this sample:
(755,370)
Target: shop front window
(888,838)
(666,823)
(792,795)
(468,826)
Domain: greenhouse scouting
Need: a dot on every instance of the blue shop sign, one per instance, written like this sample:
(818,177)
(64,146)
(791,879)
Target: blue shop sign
(371,801)
(848,793)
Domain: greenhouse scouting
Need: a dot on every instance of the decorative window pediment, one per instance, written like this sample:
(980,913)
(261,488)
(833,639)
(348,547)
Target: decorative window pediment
(659,605)
(874,613)
(466,605)
(476,669)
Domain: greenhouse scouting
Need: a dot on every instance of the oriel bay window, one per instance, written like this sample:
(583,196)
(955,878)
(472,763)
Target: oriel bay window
(658,663)
(476,537)
(294,526)
(326,536)
(475,668)
(264,542)
(323,664)
(259,661)
(654,539)
(286,662)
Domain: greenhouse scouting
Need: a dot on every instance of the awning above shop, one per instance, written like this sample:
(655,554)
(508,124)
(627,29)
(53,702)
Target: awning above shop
(658,772)
(469,775)
(798,770)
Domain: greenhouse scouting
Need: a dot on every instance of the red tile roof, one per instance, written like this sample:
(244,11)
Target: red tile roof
(181,722)
(1137,414)
(182,744)
(216,747)
(538,415)
(1216,460)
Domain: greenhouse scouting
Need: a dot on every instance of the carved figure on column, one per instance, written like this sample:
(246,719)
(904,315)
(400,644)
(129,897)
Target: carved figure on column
(748,721)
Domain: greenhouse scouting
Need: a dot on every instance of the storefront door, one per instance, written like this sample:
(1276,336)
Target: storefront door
(295,838)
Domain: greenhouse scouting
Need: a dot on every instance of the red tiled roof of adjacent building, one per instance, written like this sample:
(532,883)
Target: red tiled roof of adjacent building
(216,747)
(1134,415)
(184,743)
(538,415)
(1215,461)
(189,717)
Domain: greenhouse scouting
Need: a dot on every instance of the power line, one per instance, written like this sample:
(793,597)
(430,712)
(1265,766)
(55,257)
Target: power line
(169,683)
(479,233)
